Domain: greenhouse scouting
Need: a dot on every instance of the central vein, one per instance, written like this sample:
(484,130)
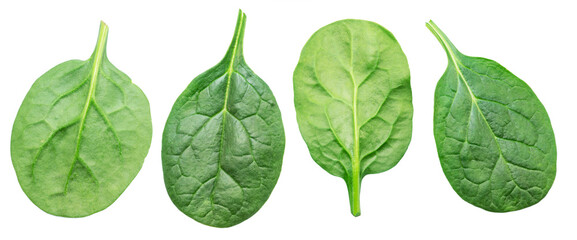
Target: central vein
(354,192)
(229,72)
(96,59)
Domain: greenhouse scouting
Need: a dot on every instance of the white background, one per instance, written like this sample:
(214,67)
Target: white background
(163,45)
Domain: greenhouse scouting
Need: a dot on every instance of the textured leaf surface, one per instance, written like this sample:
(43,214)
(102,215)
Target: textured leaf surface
(80,136)
(353,101)
(223,142)
(493,135)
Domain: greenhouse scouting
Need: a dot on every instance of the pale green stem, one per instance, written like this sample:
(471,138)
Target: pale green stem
(355,192)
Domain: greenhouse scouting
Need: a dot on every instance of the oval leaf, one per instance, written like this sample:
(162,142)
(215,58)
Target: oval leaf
(223,142)
(353,101)
(81,135)
(493,135)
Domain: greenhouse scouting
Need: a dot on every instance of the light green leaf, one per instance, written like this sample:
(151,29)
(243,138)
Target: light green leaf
(353,101)
(81,135)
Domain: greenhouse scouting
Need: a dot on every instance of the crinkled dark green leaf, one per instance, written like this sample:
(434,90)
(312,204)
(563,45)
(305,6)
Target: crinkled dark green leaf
(81,135)
(223,142)
(353,101)
(494,137)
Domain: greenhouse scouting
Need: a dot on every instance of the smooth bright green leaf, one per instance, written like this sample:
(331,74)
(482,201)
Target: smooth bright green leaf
(81,135)
(493,135)
(353,101)
(223,142)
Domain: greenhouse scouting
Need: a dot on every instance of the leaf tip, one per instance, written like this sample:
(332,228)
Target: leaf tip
(431,25)
(100,48)
(235,49)
(241,17)
(103,28)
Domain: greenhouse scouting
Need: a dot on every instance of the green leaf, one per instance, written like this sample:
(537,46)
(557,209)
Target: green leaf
(223,142)
(353,101)
(493,135)
(81,135)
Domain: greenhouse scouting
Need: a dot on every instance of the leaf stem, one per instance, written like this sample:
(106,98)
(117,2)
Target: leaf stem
(355,191)
(100,49)
(443,40)
(235,52)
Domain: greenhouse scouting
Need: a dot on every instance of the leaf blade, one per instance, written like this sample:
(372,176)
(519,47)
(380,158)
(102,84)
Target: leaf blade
(346,73)
(501,160)
(56,168)
(223,142)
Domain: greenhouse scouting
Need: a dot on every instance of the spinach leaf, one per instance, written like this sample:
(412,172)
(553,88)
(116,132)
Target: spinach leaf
(353,101)
(493,135)
(223,142)
(81,135)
